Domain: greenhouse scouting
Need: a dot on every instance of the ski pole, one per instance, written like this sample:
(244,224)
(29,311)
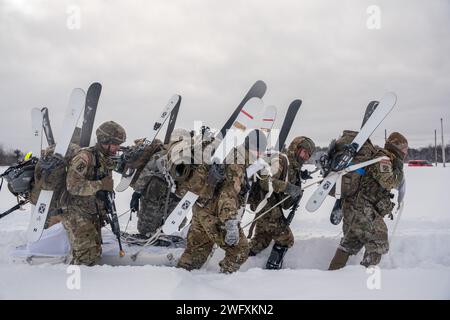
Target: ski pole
(17,206)
(276,205)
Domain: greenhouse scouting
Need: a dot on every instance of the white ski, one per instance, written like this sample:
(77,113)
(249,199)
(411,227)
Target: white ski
(36,122)
(329,181)
(176,217)
(128,175)
(39,214)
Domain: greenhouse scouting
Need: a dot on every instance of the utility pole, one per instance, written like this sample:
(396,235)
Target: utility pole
(385,135)
(443,146)
(435,146)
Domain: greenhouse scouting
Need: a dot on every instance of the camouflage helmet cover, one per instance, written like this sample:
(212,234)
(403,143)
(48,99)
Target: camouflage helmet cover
(110,132)
(301,142)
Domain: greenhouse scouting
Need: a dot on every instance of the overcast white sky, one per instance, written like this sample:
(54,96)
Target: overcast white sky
(211,52)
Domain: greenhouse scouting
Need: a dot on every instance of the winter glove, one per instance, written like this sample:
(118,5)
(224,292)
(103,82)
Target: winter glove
(232,232)
(305,175)
(293,190)
(107,184)
(134,203)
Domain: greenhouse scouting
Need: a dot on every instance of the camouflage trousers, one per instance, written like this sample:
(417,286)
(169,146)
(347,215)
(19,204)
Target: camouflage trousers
(205,231)
(152,213)
(364,227)
(84,237)
(271,227)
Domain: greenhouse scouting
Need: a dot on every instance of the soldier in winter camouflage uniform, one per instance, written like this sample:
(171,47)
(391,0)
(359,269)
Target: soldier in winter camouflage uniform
(89,175)
(153,198)
(286,181)
(215,217)
(365,208)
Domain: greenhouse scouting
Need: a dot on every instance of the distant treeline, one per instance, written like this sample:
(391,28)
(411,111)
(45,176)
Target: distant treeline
(424,153)
(10,157)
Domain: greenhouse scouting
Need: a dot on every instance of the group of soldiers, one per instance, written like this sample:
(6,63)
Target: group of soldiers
(224,190)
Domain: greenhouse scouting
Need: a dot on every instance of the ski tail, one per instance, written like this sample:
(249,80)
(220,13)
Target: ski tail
(256,91)
(172,121)
(292,111)
(90,109)
(47,127)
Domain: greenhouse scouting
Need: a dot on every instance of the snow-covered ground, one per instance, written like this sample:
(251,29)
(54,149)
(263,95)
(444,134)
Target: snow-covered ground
(418,266)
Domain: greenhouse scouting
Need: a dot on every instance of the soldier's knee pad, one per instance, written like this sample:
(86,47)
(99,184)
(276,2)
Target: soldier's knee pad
(275,261)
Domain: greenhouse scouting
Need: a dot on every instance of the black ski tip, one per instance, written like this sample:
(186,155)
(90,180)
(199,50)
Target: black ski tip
(260,88)
(94,90)
(96,85)
(295,104)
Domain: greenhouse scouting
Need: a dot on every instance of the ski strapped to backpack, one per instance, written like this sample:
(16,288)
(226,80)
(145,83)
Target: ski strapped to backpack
(383,109)
(40,212)
(127,157)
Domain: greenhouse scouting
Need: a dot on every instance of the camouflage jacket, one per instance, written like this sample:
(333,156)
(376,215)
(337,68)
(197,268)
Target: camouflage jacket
(377,182)
(153,169)
(84,176)
(226,199)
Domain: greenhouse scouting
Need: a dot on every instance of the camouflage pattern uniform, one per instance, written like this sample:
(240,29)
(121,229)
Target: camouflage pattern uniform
(210,213)
(155,184)
(364,211)
(89,171)
(272,226)
(157,200)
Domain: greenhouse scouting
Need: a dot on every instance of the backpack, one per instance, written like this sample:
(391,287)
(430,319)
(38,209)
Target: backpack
(350,181)
(20,178)
(50,174)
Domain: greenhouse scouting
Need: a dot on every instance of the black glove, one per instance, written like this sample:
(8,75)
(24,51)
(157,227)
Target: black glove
(134,203)
(305,175)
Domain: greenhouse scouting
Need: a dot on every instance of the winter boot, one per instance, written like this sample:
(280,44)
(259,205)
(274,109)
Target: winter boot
(339,260)
(275,261)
